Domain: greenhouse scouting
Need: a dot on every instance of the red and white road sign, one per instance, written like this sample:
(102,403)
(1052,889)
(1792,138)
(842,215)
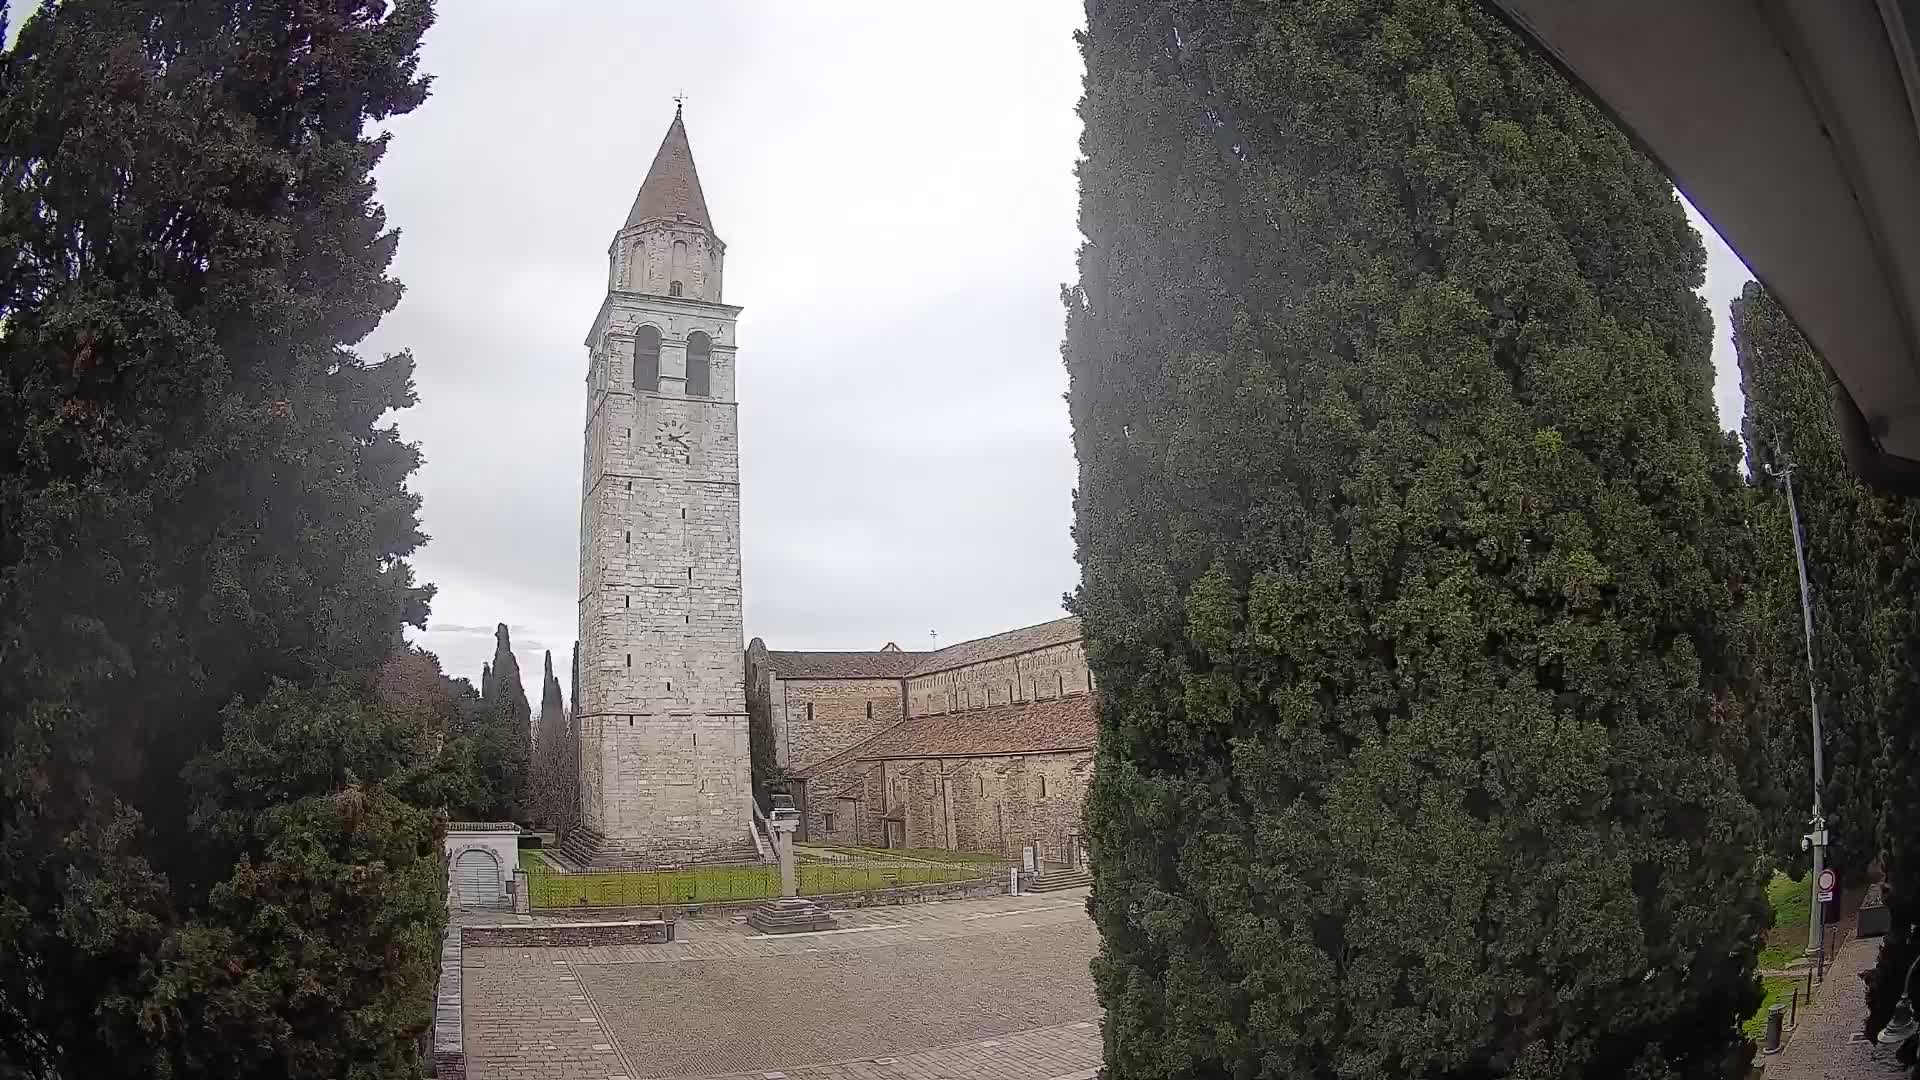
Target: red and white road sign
(1828,882)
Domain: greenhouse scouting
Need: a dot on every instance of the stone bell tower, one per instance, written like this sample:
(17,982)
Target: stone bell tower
(662,712)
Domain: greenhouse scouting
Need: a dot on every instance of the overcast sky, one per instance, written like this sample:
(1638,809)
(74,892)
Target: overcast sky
(895,186)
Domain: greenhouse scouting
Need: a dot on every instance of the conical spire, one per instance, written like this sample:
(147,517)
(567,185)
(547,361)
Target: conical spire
(672,186)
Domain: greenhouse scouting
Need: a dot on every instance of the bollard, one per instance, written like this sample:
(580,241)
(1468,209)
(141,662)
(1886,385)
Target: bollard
(1793,1011)
(1774,1015)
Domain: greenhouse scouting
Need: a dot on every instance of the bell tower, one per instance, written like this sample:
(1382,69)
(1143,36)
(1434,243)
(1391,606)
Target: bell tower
(662,712)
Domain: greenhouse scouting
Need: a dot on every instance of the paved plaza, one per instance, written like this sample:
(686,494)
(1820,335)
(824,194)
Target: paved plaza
(1828,1045)
(988,988)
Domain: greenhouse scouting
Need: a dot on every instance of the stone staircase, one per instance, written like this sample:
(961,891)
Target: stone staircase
(1055,880)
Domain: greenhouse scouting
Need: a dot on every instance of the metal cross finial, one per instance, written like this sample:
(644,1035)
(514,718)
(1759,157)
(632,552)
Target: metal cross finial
(679,99)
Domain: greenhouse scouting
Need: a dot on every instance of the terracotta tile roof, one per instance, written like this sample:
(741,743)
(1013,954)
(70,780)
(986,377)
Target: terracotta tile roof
(672,186)
(878,664)
(980,650)
(1024,727)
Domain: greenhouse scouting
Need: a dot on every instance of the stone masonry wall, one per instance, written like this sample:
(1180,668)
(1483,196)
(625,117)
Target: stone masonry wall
(662,698)
(996,804)
(541,934)
(1031,676)
(814,719)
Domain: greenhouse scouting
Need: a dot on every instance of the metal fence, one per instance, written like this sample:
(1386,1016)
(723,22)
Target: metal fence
(548,888)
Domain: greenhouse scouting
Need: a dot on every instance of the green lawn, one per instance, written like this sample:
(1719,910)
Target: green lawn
(532,862)
(647,888)
(1791,902)
(1778,990)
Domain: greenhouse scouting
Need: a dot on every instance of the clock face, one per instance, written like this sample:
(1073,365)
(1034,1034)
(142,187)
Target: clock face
(672,440)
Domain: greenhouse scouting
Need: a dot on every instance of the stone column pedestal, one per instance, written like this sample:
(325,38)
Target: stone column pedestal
(791,914)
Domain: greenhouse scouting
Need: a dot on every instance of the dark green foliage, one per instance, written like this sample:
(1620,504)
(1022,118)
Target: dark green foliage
(317,955)
(1409,542)
(551,787)
(507,750)
(1846,530)
(571,752)
(1863,569)
(196,499)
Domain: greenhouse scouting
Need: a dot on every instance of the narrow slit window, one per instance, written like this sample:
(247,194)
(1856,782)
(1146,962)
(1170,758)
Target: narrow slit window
(869,710)
(629,659)
(809,712)
(1043,787)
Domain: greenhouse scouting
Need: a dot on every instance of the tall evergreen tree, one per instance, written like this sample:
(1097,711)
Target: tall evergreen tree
(548,789)
(1853,542)
(513,720)
(197,503)
(1863,568)
(571,752)
(1404,520)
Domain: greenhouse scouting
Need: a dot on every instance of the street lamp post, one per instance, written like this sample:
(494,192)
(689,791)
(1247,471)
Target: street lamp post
(1816,840)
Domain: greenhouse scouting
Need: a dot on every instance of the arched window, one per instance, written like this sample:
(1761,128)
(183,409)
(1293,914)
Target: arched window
(646,359)
(699,365)
(678,268)
(673,288)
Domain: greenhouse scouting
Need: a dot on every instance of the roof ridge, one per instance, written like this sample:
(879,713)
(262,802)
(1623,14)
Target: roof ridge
(956,649)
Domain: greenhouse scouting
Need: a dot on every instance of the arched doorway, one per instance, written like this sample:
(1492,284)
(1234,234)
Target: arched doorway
(476,879)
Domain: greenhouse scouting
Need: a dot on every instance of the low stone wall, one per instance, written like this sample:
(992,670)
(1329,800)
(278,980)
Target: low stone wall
(544,934)
(449,1039)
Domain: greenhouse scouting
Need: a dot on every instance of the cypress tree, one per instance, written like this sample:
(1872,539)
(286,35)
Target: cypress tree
(571,748)
(1863,570)
(1854,540)
(513,726)
(198,504)
(1404,521)
(548,794)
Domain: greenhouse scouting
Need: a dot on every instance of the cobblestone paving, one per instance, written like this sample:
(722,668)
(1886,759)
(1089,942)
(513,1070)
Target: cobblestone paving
(1825,1044)
(903,993)
(1066,1052)
(528,1019)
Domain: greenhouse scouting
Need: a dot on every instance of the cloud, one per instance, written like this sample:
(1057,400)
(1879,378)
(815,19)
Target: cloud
(898,224)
